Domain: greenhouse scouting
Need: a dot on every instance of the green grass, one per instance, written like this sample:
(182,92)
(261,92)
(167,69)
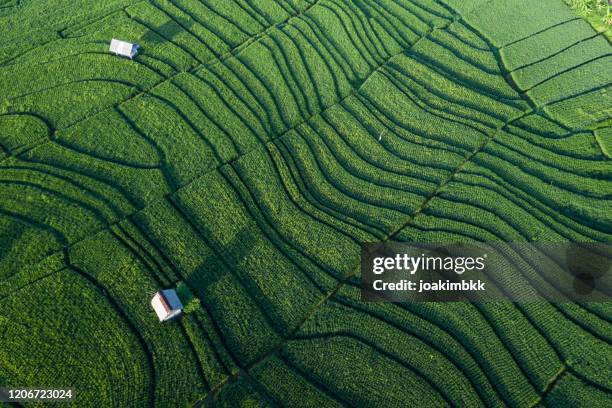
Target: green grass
(245,154)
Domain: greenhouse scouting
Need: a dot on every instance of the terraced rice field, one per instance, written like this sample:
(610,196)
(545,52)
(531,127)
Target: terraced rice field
(248,150)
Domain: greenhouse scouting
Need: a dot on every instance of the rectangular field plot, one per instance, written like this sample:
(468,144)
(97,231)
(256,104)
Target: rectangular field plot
(550,42)
(507,21)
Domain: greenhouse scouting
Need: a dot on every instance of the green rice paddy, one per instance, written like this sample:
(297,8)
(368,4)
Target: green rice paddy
(248,150)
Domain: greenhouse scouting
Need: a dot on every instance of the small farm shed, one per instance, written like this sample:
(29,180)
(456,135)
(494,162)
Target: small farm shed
(123,48)
(166,304)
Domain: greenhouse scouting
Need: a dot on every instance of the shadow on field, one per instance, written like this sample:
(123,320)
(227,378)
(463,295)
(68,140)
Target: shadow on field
(167,31)
(215,267)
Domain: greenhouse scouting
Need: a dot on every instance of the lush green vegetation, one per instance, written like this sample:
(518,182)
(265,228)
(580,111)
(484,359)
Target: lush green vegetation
(245,154)
(597,12)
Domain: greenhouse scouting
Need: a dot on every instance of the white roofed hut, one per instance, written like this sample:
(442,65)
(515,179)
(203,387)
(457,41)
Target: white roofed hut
(123,48)
(166,304)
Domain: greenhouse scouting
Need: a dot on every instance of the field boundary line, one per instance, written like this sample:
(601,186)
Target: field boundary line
(551,385)
(207,400)
(163,197)
(145,91)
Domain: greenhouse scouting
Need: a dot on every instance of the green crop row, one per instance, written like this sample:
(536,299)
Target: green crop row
(404,145)
(70,196)
(509,212)
(454,217)
(572,391)
(320,358)
(448,344)
(174,126)
(338,194)
(506,21)
(471,67)
(435,93)
(40,21)
(545,44)
(297,232)
(604,140)
(282,383)
(243,392)
(74,339)
(585,111)
(24,277)
(574,81)
(408,352)
(572,58)
(544,133)
(69,84)
(252,256)
(177,30)
(232,317)
(122,273)
(582,200)
(383,97)
(19,132)
(245,154)
(587,176)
